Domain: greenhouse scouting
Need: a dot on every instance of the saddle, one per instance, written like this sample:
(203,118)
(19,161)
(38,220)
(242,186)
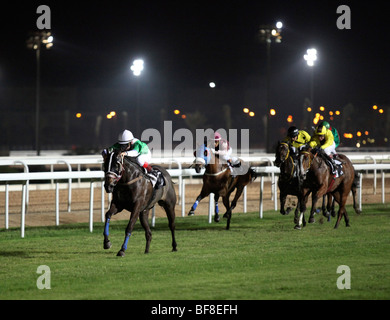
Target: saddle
(334,163)
(155,177)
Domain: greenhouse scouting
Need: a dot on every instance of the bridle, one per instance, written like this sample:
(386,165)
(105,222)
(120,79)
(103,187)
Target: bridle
(286,158)
(115,176)
(302,154)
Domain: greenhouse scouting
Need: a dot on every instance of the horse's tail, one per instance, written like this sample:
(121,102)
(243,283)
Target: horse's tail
(253,174)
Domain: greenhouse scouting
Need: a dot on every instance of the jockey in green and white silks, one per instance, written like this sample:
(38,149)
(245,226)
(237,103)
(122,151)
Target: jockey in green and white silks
(129,146)
(132,147)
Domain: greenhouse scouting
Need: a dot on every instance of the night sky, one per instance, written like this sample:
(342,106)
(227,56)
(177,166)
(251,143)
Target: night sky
(190,43)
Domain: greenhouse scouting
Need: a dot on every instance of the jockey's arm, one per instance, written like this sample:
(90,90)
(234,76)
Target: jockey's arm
(329,139)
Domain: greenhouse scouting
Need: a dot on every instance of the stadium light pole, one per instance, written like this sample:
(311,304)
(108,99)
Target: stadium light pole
(36,41)
(311,58)
(137,67)
(269,33)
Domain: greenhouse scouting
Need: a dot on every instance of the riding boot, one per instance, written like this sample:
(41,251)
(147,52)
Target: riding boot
(334,167)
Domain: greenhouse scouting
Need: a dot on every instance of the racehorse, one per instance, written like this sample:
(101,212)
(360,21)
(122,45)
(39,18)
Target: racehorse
(317,176)
(329,208)
(132,190)
(288,178)
(218,179)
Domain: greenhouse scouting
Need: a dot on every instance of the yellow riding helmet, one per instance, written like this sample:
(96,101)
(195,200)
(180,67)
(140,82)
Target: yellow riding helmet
(321,131)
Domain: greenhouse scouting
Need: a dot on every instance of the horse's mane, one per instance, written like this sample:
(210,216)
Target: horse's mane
(133,162)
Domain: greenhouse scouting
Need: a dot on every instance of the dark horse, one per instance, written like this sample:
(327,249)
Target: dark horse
(133,191)
(317,176)
(288,179)
(218,179)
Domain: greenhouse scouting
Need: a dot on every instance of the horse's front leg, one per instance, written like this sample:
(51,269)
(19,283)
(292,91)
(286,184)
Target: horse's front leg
(202,195)
(302,200)
(129,229)
(283,197)
(113,210)
(216,215)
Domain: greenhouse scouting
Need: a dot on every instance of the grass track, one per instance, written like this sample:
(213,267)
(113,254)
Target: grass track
(256,259)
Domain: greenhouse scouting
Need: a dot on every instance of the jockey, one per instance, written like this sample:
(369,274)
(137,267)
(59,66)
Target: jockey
(224,150)
(296,138)
(132,147)
(323,139)
(334,132)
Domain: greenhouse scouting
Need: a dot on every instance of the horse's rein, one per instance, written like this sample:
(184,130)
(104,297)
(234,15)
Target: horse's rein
(215,174)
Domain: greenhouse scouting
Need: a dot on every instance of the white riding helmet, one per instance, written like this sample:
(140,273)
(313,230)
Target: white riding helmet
(125,137)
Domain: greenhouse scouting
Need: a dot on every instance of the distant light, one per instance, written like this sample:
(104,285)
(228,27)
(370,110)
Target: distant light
(338,113)
(359,134)
(358,145)
(290,119)
(381,111)
(309,109)
(137,67)
(251,114)
(279,25)
(212,84)
(78,115)
(310,57)
(272,112)
(348,135)
(366,133)
(176,111)
(112,113)
(246,110)
(183,116)
(375,107)
(322,108)
(331,113)
(109,116)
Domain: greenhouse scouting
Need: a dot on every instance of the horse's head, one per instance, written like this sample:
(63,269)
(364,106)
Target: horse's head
(202,157)
(113,170)
(282,153)
(305,162)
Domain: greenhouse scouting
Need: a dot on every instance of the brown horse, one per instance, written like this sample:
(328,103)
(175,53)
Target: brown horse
(288,178)
(218,179)
(133,191)
(316,175)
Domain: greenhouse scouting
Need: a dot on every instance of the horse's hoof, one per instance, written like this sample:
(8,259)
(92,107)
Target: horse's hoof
(216,218)
(174,250)
(191,213)
(120,253)
(227,215)
(297,227)
(107,245)
(312,220)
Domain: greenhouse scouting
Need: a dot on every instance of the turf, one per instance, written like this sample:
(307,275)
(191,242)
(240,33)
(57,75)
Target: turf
(256,259)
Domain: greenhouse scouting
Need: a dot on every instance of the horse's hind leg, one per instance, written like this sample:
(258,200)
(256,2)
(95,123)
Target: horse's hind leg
(145,224)
(170,211)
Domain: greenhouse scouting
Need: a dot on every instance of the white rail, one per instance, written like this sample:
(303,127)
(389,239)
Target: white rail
(92,176)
